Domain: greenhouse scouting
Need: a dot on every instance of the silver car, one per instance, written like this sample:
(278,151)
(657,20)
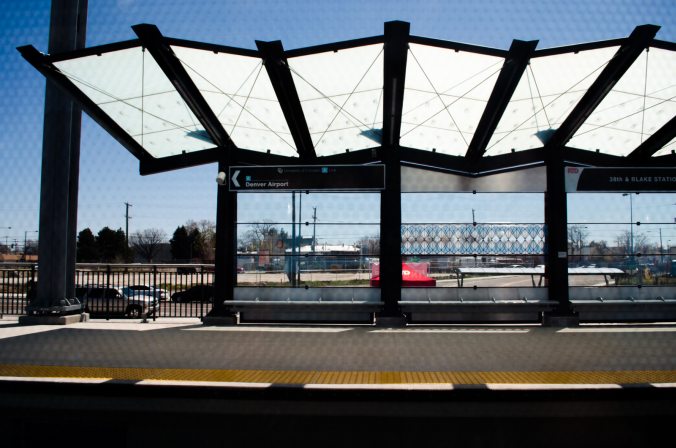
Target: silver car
(114,301)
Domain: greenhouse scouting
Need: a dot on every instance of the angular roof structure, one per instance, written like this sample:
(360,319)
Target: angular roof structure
(440,105)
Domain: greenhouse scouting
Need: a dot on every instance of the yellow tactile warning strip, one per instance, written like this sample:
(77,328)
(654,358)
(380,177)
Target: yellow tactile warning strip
(300,377)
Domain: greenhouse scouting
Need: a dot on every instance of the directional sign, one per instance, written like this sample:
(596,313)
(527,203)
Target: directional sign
(308,177)
(620,179)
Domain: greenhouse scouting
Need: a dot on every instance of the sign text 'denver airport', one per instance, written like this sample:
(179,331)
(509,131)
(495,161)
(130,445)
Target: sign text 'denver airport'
(308,177)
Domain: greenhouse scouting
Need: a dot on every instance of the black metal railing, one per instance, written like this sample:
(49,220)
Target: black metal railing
(179,290)
(16,280)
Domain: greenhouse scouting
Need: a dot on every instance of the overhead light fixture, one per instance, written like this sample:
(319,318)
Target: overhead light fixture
(545,136)
(200,135)
(373,134)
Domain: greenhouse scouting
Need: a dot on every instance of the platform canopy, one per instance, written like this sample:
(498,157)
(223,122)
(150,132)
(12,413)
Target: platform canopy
(442,105)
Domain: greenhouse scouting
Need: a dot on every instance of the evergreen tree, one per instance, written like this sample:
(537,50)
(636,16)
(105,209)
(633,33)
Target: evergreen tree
(112,245)
(196,244)
(87,250)
(180,244)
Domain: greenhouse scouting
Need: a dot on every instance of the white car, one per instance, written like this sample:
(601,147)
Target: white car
(135,290)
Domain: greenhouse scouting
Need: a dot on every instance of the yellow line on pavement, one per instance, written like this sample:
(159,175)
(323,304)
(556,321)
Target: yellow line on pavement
(300,377)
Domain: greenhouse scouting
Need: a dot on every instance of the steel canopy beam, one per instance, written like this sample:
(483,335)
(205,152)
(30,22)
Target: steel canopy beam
(638,41)
(280,76)
(484,167)
(655,142)
(151,38)
(515,64)
(396,53)
(589,158)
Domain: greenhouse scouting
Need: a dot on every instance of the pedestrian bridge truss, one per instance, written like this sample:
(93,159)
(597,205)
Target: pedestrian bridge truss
(473,239)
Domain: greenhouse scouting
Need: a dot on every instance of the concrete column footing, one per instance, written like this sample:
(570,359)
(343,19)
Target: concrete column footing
(54,320)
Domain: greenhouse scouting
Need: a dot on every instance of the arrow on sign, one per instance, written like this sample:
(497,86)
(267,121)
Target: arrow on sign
(234,178)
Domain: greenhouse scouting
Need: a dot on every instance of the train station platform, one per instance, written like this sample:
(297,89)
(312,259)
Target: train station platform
(485,384)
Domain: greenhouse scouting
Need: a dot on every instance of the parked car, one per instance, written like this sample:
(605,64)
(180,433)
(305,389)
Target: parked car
(103,300)
(135,290)
(196,293)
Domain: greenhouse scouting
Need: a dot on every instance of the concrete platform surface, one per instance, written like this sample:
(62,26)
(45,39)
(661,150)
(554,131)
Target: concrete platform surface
(186,352)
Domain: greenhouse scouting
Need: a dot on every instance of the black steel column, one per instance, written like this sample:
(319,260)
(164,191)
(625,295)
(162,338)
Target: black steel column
(60,172)
(556,231)
(225,275)
(395,55)
(390,236)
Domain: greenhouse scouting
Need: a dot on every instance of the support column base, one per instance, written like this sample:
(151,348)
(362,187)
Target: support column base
(560,320)
(391,321)
(225,320)
(53,320)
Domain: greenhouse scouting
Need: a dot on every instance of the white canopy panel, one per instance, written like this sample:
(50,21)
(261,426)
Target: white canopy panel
(548,91)
(445,95)
(641,102)
(239,91)
(131,88)
(341,96)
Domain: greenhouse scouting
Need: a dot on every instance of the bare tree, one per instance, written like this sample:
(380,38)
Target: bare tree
(261,235)
(369,245)
(625,239)
(147,243)
(577,236)
(642,244)
(207,235)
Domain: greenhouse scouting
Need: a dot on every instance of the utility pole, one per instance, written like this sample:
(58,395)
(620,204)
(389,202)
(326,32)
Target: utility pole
(6,236)
(127,218)
(661,248)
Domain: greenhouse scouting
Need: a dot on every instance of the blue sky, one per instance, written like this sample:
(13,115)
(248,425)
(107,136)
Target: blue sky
(109,174)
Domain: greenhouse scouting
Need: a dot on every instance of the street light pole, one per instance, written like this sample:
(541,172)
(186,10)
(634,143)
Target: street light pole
(25,242)
(300,238)
(631,226)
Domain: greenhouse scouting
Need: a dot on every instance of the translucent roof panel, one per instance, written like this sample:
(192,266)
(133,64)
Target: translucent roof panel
(641,102)
(130,87)
(445,95)
(341,96)
(238,90)
(549,89)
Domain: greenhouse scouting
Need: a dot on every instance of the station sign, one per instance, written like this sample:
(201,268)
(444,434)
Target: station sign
(307,177)
(620,179)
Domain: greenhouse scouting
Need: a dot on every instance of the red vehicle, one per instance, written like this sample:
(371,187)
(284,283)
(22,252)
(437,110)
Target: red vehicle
(409,277)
